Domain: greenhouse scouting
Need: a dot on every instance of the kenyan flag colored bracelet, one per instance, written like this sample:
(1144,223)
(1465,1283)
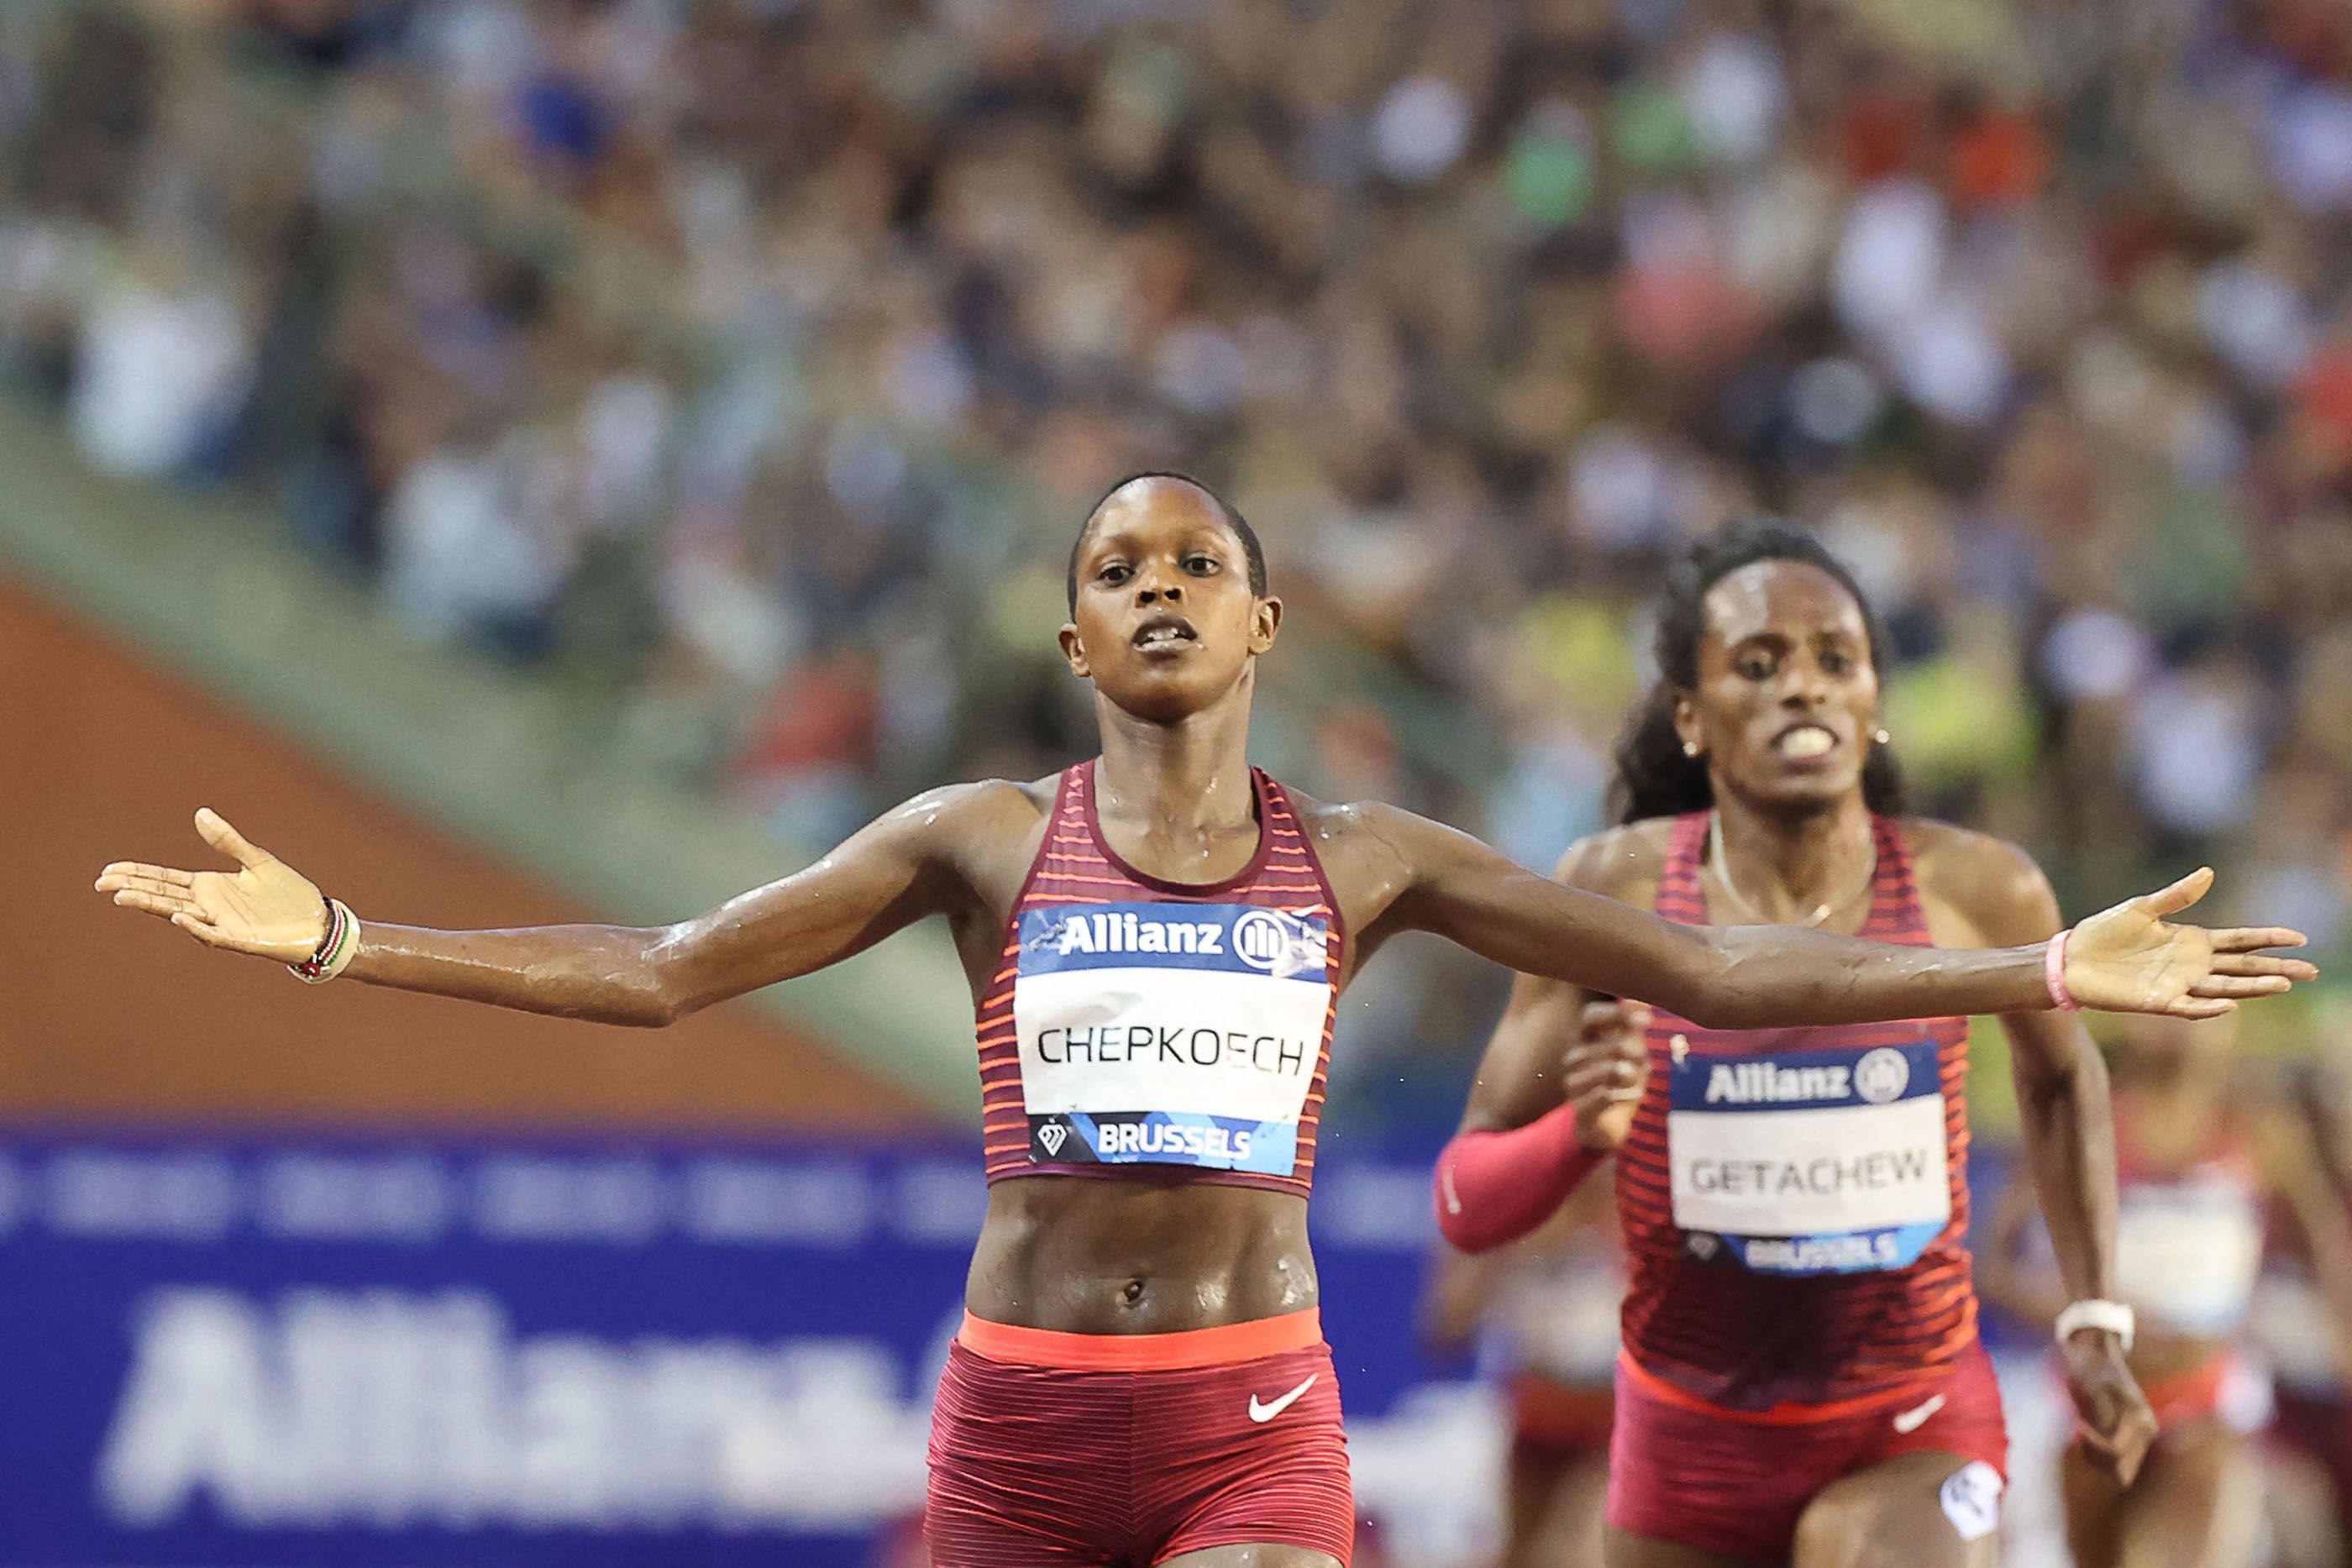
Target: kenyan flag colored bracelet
(336,950)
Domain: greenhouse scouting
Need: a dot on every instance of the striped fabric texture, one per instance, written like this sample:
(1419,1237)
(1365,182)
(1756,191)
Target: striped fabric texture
(1033,1467)
(1074,865)
(1751,1342)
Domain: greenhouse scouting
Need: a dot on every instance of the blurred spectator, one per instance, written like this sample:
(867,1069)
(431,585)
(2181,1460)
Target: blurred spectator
(811,328)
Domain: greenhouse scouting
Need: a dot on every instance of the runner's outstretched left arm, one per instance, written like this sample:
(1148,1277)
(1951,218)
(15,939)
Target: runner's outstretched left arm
(2127,959)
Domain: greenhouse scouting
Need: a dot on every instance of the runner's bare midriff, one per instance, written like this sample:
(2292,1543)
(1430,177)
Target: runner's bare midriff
(1138,1255)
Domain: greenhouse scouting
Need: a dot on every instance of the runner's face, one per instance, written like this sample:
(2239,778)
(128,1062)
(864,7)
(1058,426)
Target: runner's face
(1166,623)
(1787,698)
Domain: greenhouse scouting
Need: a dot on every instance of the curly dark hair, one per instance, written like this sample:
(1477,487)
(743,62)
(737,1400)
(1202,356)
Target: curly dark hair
(1653,777)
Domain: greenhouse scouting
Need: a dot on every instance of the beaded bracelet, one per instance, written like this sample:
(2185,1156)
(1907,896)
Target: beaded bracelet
(336,949)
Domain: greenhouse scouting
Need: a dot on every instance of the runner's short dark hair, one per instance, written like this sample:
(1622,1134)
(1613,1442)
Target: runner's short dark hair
(1253,552)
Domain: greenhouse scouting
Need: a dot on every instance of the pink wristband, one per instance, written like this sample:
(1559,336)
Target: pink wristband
(2053,974)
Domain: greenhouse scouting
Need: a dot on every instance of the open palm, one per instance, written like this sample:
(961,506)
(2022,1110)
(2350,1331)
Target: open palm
(265,907)
(2130,959)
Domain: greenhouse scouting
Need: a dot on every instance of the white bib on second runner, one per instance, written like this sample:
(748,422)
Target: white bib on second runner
(1812,1162)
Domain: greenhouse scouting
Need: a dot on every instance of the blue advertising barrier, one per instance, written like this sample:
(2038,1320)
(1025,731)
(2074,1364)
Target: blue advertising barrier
(384,1351)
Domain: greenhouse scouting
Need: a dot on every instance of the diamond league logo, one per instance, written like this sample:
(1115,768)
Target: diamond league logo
(1053,1134)
(1882,1075)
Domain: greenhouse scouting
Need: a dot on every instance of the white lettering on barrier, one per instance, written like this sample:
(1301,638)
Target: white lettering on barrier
(15,1200)
(344,1197)
(529,1197)
(413,1196)
(384,1409)
(182,1196)
(745,1200)
(380,1409)
(936,1202)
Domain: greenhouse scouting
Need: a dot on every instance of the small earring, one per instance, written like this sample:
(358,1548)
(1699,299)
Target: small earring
(1880,736)
(1690,748)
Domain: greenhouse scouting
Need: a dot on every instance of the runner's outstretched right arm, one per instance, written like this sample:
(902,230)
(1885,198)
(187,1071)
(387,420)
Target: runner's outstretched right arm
(885,877)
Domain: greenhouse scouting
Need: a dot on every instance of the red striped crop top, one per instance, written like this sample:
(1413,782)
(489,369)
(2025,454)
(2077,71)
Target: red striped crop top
(1141,1025)
(1795,1202)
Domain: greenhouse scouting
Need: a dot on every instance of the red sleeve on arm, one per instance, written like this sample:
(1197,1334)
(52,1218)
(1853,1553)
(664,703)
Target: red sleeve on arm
(1493,1188)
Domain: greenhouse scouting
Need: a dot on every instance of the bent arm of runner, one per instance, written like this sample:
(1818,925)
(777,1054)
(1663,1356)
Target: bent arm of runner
(890,874)
(2125,959)
(2068,1124)
(1495,1186)
(2068,1121)
(1552,1099)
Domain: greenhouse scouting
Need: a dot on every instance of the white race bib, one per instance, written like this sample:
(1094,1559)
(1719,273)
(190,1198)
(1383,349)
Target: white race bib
(1169,1033)
(2187,1253)
(1814,1162)
(2289,1322)
(1562,1318)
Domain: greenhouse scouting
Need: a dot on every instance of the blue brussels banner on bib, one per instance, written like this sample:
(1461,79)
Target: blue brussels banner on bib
(380,1351)
(1109,1137)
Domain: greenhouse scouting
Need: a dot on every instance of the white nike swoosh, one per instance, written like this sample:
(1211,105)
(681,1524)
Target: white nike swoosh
(1912,1420)
(1262,1412)
(1452,1198)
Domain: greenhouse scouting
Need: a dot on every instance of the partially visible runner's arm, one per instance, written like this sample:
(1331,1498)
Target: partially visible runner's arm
(890,874)
(1551,1100)
(2067,1121)
(2293,1169)
(2127,959)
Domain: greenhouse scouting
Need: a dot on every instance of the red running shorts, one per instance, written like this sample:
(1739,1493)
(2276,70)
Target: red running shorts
(1050,1449)
(1736,1482)
(1557,1424)
(2224,1389)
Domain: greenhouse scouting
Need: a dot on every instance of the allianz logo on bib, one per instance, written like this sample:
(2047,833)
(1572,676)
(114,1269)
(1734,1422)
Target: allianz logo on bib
(1878,1078)
(1124,931)
(1238,938)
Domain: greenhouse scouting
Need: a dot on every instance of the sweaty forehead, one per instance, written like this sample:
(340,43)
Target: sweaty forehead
(1790,599)
(1149,508)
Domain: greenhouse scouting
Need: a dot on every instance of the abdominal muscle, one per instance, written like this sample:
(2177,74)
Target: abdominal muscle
(1138,1255)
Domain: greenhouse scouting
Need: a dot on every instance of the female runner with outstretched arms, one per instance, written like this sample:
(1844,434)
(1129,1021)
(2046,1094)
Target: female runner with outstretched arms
(1155,941)
(1801,1377)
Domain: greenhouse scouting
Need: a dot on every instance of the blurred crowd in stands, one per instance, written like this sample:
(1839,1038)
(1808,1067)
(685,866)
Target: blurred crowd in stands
(759,357)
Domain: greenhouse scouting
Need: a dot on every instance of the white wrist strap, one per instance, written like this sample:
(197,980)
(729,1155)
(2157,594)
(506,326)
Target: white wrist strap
(2112,1317)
